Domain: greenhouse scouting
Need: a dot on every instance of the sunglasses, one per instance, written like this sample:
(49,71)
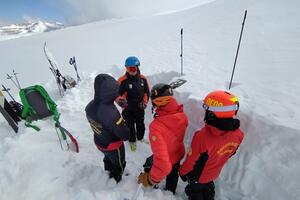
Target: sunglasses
(131,69)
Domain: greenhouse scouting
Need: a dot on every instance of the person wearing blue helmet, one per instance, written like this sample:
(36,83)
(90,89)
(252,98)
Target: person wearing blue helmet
(133,98)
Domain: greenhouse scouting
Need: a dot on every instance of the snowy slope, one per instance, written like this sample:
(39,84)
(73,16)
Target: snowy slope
(266,81)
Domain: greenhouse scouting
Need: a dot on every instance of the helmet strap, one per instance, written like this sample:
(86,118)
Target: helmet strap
(209,116)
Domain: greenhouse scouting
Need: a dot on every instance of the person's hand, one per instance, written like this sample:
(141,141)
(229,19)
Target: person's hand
(145,180)
(183,178)
(122,102)
(142,105)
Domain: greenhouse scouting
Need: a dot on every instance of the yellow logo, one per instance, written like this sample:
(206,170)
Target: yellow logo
(153,138)
(213,102)
(228,148)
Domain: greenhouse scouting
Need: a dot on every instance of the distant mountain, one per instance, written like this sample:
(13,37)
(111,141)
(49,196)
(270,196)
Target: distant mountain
(26,29)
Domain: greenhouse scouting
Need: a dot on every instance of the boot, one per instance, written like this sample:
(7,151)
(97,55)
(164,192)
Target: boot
(132,146)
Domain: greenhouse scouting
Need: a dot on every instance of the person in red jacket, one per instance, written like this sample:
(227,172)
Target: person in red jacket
(212,146)
(166,135)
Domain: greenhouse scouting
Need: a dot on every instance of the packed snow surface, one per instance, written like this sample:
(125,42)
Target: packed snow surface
(266,80)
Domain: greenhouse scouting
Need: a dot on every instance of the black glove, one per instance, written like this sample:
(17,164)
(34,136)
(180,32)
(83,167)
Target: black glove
(184,178)
(142,105)
(122,103)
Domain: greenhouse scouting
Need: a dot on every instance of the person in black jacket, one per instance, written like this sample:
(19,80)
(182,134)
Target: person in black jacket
(108,126)
(133,98)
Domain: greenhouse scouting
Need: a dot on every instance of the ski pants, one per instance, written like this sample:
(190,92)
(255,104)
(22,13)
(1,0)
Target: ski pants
(172,177)
(114,162)
(199,191)
(134,118)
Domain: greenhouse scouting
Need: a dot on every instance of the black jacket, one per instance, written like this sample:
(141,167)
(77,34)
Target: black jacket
(107,124)
(134,88)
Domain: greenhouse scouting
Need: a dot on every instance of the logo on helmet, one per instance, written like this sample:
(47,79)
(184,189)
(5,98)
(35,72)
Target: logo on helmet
(213,102)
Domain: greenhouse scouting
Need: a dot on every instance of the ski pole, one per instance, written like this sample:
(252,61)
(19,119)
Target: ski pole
(7,91)
(181,50)
(72,61)
(10,77)
(238,48)
(15,74)
(137,193)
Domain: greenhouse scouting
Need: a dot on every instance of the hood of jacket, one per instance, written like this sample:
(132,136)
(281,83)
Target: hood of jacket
(221,126)
(106,89)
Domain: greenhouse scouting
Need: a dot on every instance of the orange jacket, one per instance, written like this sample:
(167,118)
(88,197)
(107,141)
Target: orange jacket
(166,137)
(217,146)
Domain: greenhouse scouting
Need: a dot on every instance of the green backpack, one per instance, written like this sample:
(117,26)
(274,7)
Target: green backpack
(37,105)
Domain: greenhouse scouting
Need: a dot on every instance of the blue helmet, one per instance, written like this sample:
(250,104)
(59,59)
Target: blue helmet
(132,61)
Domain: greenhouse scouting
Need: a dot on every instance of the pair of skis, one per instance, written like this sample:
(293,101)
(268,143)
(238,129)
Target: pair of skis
(63,82)
(5,109)
(10,110)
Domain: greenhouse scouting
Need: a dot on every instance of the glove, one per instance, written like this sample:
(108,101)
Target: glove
(142,105)
(145,180)
(184,178)
(122,103)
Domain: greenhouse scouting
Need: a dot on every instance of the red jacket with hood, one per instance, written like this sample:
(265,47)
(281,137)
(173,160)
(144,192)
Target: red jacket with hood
(166,137)
(214,144)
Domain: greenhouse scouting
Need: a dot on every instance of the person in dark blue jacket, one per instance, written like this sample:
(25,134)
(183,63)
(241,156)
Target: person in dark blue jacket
(108,126)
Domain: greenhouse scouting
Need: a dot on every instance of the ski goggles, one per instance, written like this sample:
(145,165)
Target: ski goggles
(234,107)
(131,69)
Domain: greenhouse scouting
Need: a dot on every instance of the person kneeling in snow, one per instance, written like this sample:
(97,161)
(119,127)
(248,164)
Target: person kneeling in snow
(166,135)
(108,126)
(212,146)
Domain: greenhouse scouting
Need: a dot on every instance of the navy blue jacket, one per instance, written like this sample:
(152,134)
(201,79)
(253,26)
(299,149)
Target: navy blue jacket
(107,124)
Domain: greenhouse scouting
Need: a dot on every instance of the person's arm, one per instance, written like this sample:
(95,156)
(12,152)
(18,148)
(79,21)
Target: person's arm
(119,128)
(146,90)
(196,150)
(121,99)
(162,165)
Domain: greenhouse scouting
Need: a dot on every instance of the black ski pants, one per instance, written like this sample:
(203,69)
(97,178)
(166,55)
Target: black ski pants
(172,177)
(198,191)
(134,118)
(114,162)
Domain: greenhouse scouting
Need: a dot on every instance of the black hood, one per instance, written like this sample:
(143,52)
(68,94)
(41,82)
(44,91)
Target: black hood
(106,88)
(227,124)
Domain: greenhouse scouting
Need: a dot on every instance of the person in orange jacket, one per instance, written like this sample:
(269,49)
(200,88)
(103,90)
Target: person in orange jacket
(133,98)
(212,146)
(166,135)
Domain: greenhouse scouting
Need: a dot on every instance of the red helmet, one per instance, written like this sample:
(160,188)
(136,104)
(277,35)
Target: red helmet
(223,104)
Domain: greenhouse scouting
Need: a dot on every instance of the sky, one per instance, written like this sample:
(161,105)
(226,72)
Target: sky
(16,11)
(73,12)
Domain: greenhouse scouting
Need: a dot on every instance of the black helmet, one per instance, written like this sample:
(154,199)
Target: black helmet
(161,94)
(161,90)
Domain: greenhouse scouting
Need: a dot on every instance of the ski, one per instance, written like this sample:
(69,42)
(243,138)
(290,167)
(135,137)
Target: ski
(63,82)
(5,109)
(7,91)
(54,69)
